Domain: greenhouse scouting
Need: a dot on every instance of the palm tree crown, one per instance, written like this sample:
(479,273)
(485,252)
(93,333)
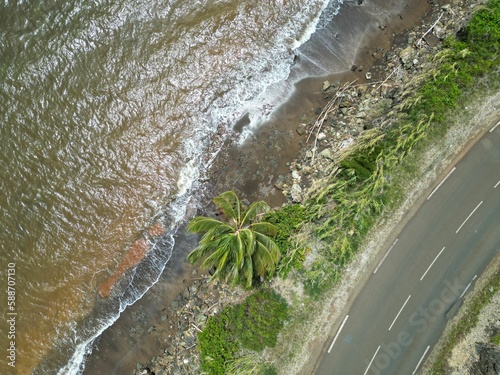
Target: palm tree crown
(238,247)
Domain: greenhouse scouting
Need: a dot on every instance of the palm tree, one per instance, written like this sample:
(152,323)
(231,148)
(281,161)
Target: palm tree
(238,247)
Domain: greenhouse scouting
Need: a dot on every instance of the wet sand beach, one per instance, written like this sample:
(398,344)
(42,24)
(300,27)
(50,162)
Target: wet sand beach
(251,169)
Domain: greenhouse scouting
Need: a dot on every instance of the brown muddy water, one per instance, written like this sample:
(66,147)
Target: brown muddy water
(108,111)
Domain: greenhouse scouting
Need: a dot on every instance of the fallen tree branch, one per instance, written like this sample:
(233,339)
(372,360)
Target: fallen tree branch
(330,107)
(419,42)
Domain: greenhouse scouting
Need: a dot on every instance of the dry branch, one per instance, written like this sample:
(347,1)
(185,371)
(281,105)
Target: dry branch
(332,105)
(418,43)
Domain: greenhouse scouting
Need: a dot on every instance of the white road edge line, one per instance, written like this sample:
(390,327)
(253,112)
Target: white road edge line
(468,217)
(338,333)
(493,128)
(372,360)
(465,290)
(498,183)
(385,256)
(437,256)
(394,321)
(467,287)
(442,182)
(421,359)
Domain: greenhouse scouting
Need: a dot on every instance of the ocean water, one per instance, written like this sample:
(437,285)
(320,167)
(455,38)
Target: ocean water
(107,114)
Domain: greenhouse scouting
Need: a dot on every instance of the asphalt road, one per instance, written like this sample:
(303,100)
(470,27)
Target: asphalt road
(401,311)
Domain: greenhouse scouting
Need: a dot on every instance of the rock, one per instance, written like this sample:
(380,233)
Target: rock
(301,129)
(296,193)
(296,175)
(346,143)
(327,154)
(321,136)
(280,182)
(201,319)
(335,84)
(344,110)
(489,360)
(406,55)
(346,103)
(362,90)
(326,85)
(309,154)
(360,114)
(439,32)
(368,75)
(193,289)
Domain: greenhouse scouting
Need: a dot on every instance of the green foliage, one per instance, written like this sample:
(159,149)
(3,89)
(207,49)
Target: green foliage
(288,221)
(495,339)
(241,247)
(269,370)
(257,321)
(250,364)
(255,324)
(348,206)
(217,344)
(319,277)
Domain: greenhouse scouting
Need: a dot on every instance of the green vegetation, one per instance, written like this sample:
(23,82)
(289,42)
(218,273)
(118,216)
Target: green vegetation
(254,324)
(288,221)
(217,344)
(495,339)
(257,321)
(241,247)
(469,321)
(249,364)
(368,179)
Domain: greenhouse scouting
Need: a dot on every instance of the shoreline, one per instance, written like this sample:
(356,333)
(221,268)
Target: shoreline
(133,338)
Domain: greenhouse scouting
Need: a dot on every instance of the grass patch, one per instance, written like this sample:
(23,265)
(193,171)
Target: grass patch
(464,325)
(254,324)
(288,221)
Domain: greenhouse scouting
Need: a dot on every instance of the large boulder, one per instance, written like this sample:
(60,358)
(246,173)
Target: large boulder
(489,360)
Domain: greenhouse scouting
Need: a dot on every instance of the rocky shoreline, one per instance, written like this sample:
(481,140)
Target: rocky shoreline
(361,105)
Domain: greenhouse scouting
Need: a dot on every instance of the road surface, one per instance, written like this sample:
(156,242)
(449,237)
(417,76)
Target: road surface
(401,311)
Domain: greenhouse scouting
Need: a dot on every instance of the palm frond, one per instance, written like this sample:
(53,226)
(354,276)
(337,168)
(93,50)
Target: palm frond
(265,228)
(230,205)
(202,224)
(253,210)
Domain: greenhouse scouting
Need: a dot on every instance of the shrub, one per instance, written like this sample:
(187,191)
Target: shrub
(217,344)
(288,220)
(257,321)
